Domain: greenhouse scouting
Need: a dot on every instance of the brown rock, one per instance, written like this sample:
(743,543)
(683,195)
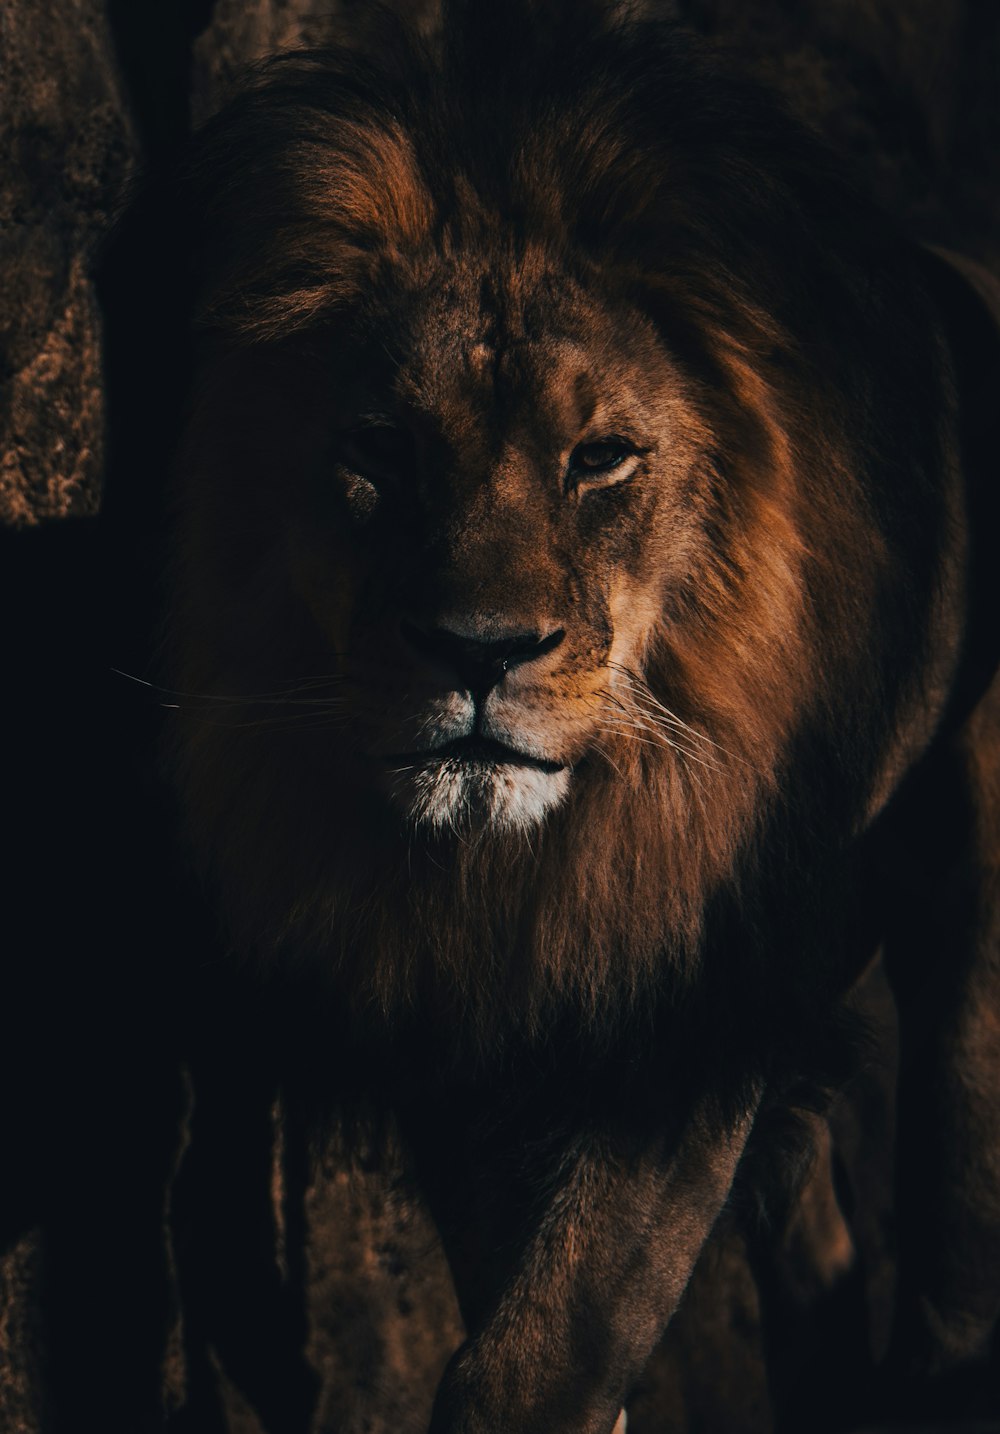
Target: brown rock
(68,147)
(242,31)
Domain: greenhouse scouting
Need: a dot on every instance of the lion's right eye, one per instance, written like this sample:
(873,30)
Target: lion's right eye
(377,451)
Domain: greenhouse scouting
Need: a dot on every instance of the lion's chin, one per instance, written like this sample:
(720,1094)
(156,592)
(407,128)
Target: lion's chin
(461,793)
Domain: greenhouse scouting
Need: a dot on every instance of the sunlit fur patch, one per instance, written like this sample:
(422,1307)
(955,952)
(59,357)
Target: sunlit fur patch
(458,794)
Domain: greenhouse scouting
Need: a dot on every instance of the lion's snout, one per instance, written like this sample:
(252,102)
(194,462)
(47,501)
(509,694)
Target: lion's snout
(481,750)
(478,654)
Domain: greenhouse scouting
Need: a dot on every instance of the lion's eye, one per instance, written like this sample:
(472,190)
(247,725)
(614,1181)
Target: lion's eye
(605,457)
(377,451)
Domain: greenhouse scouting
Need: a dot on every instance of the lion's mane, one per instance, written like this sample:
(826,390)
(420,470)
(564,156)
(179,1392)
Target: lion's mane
(809,648)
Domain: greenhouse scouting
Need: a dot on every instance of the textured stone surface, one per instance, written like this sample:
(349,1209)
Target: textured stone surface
(67,146)
(242,31)
(21,1373)
(383,1314)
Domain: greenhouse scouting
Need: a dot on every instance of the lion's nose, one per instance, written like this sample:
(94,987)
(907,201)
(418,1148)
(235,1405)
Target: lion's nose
(480,662)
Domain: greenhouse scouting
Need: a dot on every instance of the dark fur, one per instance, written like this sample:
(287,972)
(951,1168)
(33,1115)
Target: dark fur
(668,941)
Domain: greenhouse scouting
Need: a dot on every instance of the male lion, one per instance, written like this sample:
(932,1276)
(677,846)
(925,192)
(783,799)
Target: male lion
(577,587)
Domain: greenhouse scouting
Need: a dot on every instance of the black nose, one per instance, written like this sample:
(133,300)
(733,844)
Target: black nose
(480,663)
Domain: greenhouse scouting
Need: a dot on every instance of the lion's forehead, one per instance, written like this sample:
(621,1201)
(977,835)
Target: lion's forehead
(513,345)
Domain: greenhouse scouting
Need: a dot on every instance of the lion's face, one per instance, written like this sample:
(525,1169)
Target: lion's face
(489,504)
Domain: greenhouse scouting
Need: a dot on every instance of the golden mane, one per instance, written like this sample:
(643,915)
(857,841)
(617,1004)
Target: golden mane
(347,180)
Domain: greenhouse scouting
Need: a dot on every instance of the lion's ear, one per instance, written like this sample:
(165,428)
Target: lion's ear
(967,297)
(543,17)
(489,40)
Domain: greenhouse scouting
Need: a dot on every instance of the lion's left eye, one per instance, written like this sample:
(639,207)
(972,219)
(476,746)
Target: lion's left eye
(599,458)
(596,457)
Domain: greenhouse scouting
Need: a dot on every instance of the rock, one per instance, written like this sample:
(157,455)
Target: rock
(71,146)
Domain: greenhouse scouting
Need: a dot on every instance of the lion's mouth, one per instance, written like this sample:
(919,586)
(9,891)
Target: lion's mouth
(478,750)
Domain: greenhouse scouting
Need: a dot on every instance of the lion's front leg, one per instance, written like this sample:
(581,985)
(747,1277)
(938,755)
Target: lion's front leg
(592,1276)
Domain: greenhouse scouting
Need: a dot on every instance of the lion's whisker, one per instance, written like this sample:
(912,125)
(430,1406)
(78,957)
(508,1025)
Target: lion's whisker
(664,741)
(651,720)
(603,751)
(661,740)
(642,721)
(657,737)
(280,695)
(642,692)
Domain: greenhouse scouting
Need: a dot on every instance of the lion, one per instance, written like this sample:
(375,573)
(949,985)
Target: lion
(577,607)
